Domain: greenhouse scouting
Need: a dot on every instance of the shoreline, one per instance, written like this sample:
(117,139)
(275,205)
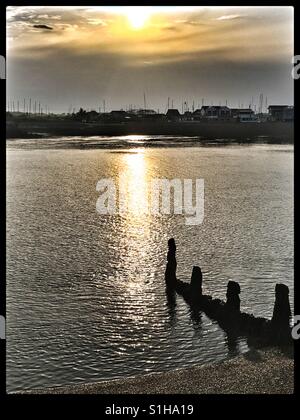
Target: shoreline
(277,132)
(255,372)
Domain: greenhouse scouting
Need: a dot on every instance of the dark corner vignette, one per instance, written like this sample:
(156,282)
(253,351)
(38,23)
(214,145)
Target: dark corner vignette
(147,406)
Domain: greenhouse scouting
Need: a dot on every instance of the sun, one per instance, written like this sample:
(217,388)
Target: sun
(137,16)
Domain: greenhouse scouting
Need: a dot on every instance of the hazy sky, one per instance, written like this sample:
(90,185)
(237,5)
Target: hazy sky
(79,56)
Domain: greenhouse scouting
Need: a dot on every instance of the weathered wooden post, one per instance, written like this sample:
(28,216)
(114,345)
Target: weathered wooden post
(282,310)
(196,282)
(170,273)
(233,300)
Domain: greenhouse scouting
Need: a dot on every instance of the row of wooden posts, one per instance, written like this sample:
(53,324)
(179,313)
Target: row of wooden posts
(228,313)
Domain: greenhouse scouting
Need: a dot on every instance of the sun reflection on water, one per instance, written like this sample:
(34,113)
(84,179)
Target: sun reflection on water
(136,233)
(134,173)
(135,139)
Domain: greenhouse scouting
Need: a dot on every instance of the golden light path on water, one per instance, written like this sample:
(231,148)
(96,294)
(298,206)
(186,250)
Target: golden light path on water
(136,226)
(135,174)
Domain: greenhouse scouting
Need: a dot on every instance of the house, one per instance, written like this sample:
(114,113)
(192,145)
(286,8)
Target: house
(263,117)
(209,112)
(92,116)
(288,114)
(217,112)
(243,115)
(157,117)
(223,112)
(199,114)
(145,114)
(142,112)
(173,115)
(187,116)
(118,116)
(281,112)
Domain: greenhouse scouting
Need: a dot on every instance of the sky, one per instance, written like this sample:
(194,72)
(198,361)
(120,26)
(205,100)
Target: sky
(71,57)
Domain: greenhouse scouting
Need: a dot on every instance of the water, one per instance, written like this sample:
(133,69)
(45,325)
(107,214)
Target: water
(85,293)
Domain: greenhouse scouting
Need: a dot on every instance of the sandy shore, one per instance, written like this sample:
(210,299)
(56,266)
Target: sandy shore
(256,372)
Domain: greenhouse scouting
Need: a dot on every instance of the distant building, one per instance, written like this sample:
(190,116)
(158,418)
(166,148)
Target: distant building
(142,112)
(243,115)
(157,117)
(216,112)
(187,116)
(223,112)
(199,114)
(173,115)
(92,116)
(288,114)
(281,112)
(145,114)
(118,115)
(263,117)
(235,112)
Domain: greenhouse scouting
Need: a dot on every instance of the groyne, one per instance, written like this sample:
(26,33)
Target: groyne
(258,330)
(267,368)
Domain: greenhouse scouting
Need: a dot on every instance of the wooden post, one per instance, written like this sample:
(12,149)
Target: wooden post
(196,281)
(170,273)
(232,295)
(282,309)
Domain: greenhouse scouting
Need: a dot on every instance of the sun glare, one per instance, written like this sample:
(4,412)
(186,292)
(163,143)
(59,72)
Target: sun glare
(137,16)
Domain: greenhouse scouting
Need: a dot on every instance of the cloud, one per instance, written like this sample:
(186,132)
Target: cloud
(90,52)
(100,22)
(229,17)
(49,28)
(171,28)
(54,17)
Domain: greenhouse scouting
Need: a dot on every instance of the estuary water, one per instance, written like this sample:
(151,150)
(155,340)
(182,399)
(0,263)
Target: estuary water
(86,296)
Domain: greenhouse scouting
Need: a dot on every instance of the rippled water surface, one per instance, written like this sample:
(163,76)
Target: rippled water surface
(85,293)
